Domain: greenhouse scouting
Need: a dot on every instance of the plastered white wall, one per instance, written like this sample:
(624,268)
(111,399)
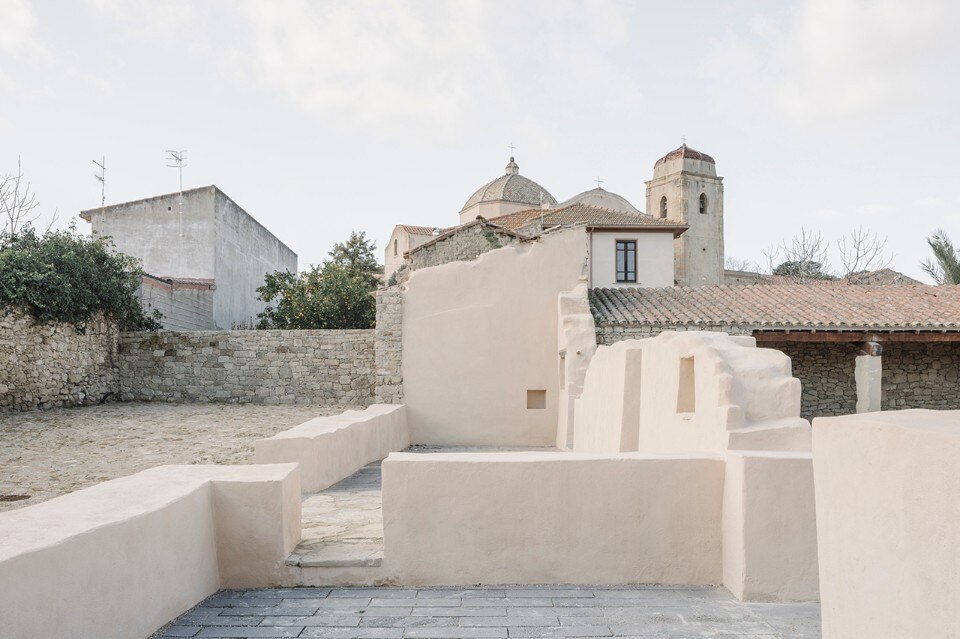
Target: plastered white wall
(478,335)
(124,557)
(329,449)
(654,258)
(548,518)
(608,410)
(888,524)
(576,334)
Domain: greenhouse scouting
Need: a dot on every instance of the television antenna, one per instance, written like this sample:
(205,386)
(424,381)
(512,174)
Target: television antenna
(102,178)
(178,160)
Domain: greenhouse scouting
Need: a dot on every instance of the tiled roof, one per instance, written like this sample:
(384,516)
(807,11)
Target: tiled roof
(582,214)
(511,187)
(782,306)
(423,230)
(684,152)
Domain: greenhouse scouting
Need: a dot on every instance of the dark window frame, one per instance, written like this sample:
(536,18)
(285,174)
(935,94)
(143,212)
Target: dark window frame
(628,246)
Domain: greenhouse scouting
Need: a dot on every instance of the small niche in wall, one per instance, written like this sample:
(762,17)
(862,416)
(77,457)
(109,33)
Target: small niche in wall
(536,399)
(687,389)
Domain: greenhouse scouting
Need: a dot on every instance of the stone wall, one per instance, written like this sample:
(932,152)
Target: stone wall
(826,376)
(49,365)
(921,376)
(388,346)
(611,334)
(465,243)
(269,367)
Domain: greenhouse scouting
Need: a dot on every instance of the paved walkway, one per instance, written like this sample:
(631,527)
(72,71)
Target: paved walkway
(385,613)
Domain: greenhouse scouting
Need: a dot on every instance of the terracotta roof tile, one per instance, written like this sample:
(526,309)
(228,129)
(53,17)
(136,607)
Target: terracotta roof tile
(423,230)
(782,306)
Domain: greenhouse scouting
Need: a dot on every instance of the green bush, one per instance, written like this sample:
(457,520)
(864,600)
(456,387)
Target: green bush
(61,276)
(338,294)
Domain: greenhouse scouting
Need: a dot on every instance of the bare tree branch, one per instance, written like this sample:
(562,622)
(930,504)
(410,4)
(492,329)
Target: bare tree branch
(736,264)
(861,252)
(805,257)
(17,202)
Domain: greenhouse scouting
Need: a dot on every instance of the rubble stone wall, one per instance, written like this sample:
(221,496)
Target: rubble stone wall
(51,364)
(268,367)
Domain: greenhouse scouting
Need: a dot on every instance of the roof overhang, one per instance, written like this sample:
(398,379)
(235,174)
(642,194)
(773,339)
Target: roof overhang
(676,229)
(849,336)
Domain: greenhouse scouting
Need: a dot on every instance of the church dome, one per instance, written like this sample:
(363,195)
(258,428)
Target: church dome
(684,152)
(603,199)
(511,187)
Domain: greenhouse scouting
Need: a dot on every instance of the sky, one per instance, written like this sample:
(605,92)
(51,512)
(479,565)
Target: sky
(324,117)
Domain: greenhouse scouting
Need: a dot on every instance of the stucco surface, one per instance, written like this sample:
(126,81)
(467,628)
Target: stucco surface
(478,335)
(608,411)
(887,496)
(541,518)
(125,556)
(654,258)
(329,449)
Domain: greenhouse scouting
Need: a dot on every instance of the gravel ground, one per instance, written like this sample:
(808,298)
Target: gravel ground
(44,454)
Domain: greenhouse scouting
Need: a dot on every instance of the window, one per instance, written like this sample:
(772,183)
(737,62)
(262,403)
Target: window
(395,248)
(703,203)
(626,260)
(663,206)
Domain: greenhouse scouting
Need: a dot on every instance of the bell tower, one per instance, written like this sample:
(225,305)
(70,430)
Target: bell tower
(685,187)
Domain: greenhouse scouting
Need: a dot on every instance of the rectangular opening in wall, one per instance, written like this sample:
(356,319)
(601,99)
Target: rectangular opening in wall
(563,369)
(536,399)
(687,390)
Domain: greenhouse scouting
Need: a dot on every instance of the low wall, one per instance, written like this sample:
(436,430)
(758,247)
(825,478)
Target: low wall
(532,518)
(887,492)
(124,557)
(49,365)
(269,367)
(329,449)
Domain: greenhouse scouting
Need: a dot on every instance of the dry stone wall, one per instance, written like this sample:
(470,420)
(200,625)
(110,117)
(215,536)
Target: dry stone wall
(467,243)
(921,376)
(388,348)
(50,365)
(826,374)
(268,367)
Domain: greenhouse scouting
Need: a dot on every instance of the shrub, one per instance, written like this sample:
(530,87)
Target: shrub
(61,276)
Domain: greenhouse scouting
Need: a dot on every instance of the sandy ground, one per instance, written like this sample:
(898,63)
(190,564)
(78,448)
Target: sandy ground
(44,454)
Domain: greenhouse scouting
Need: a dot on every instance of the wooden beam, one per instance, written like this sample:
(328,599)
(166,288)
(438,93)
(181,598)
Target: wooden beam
(839,337)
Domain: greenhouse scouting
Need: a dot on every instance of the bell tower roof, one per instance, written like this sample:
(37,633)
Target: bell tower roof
(684,153)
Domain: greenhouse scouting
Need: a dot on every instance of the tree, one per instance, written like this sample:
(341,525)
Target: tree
(945,267)
(65,277)
(736,264)
(337,294)
(802,272)
(804,257)
(860,253)
(17,203)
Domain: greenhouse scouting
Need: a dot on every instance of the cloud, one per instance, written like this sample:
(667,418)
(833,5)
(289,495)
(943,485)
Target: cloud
(833,61)
(18,34)
(432,64)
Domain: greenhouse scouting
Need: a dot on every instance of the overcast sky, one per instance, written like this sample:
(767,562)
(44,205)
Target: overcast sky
(324,117)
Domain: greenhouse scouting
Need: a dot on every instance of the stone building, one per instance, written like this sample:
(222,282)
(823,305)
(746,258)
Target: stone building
(854,348)
(204,240)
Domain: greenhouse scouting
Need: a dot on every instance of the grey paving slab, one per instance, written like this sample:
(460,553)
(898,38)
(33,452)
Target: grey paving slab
(495,613)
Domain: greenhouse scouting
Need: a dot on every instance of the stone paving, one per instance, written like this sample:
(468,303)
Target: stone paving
(495,612)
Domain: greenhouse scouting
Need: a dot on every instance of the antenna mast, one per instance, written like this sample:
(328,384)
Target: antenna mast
(102,177)
(178,160)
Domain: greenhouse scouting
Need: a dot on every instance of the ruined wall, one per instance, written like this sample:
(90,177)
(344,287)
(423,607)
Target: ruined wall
(465,244)
(50,365)
(269,367)
(915,375)
(388,348)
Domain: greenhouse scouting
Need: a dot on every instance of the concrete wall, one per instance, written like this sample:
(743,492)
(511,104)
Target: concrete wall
(334,367)
(547,518)
(122,558)
(245,252)
(153,231)
(329,449)
(478,335)
(654,258)
(186,305)
(887,490)
(49,365)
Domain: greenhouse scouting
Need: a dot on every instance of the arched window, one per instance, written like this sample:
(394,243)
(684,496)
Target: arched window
(663,206)
(703,203)
(395,248)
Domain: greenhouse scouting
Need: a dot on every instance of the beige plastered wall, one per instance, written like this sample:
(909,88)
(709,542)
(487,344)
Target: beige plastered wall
(122,558)
(478,335)
(577,342)
(547,518)
(888,519)
(329,449)
(608,411)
